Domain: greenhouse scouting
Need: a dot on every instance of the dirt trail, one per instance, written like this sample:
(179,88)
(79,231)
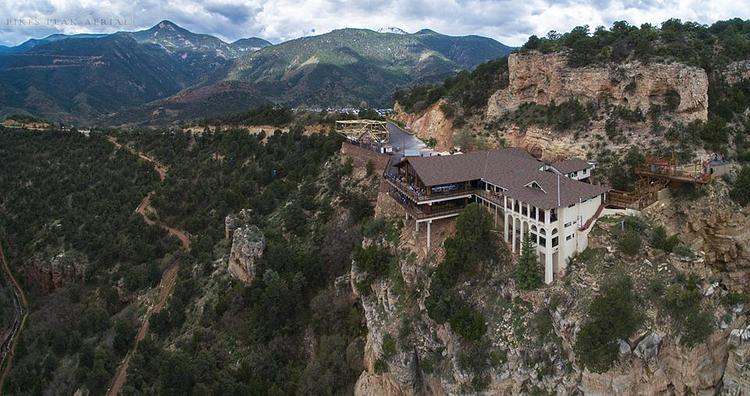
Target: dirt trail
(160,168)
(169,277)
(145,208)
(22,308)
(166,285)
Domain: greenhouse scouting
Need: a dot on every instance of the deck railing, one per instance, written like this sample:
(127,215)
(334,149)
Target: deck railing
(419,195)
(435,211)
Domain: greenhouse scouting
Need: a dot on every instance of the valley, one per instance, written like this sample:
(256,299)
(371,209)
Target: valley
(566,217)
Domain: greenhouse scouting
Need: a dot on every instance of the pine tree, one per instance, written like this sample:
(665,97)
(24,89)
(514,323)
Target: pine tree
(528,275)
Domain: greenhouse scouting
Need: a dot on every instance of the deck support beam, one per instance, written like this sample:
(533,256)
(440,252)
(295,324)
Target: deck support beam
(429,223)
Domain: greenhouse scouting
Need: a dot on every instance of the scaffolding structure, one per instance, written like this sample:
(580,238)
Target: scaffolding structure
(372,134)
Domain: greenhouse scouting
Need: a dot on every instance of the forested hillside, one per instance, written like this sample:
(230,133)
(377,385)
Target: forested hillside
(294,330)
(68,207)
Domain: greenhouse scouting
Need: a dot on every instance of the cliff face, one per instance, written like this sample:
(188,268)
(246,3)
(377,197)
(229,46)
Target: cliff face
(716,226)
(679,91)
(431,124)
(545,144)
(50,273)
(408,353)
(546,78)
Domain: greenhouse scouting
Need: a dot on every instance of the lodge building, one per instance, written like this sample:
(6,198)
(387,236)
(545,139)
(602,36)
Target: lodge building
(554,203)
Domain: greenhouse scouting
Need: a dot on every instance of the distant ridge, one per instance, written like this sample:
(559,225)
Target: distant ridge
(167,73)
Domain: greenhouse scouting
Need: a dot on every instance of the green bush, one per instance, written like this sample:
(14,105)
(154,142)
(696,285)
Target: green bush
(612,316)
(374,260)
(683,303)
(380,366)
(733,298)
(468,323)
(566,116)
(740,190)
(629,242)
(660,240)
(359,206)
(389,346)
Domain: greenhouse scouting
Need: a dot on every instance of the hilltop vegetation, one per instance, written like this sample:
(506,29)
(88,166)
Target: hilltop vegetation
(709,47)
(469,90)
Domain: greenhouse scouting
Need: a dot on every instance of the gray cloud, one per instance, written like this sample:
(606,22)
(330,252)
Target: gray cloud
(277,20)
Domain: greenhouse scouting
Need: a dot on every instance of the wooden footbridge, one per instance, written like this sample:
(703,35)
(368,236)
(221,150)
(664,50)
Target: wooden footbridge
(658,174)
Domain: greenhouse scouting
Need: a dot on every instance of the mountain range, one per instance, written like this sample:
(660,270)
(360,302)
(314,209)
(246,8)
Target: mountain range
(168,74)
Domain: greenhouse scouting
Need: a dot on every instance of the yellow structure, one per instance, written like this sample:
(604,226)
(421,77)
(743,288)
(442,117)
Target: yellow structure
(367,133)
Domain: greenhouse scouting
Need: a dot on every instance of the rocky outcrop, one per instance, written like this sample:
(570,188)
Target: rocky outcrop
(659,366)
(50,273)
(234,221)
(546,78)
(724,236)
(737,71)
(545,144)
(430,124)
(737,373)
(248,243)
(715,227)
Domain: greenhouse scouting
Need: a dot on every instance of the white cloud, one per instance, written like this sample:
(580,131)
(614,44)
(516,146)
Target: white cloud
(508,21)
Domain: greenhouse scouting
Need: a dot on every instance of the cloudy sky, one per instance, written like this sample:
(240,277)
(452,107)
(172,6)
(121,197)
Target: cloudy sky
(510,22)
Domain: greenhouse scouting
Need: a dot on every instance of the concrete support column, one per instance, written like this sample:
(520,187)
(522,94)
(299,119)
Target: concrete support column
(505,228)
(416,225)
(549,275)
(513,234)
(429,223)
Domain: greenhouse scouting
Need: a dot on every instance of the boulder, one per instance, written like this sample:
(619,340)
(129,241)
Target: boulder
(624,347)
(648,348)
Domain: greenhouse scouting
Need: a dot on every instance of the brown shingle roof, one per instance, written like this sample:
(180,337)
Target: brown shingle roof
(512,169)
(571,165)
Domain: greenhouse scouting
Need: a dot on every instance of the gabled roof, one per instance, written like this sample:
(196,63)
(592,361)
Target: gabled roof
(513,169)
(570,165)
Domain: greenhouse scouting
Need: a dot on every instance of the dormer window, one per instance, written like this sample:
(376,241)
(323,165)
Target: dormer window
(535,185)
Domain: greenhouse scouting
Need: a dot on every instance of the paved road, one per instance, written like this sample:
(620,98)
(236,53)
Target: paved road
(402,140)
